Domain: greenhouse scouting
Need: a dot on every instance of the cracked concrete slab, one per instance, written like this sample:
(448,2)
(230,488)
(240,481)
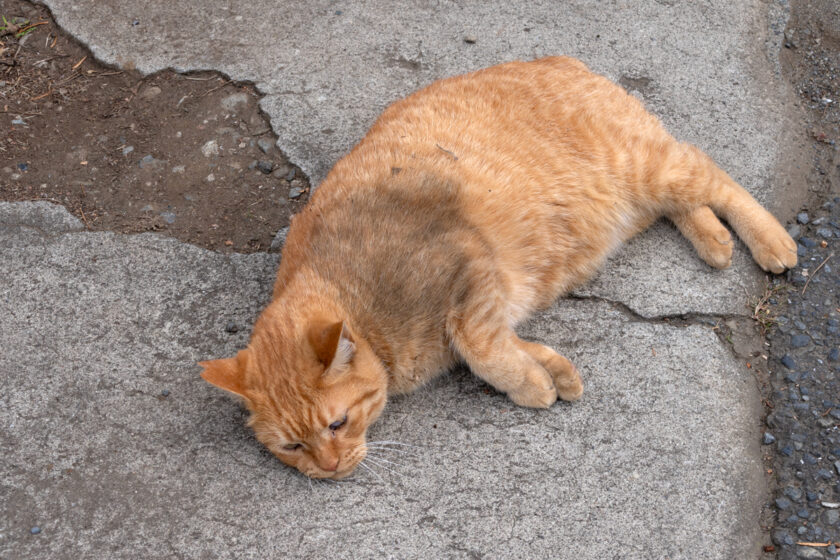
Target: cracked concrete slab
(118,448)
(708,69)
(113,444)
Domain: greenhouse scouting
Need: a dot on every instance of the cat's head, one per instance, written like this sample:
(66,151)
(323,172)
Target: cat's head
(312,390)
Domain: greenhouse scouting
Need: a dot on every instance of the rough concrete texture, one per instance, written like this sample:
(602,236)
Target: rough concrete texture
(708,69)
(658,460)
(113,446)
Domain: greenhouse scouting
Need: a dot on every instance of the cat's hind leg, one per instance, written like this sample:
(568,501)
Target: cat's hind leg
(491,350)
(710,238)
(566,378)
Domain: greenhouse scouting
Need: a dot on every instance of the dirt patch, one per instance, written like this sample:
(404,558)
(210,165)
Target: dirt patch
(191,156)
(811,61)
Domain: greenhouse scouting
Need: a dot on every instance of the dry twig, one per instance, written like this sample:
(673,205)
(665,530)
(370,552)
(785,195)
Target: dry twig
(815,273)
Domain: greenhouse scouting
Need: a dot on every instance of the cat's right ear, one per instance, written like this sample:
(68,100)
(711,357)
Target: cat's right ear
(333,345)
(227,373)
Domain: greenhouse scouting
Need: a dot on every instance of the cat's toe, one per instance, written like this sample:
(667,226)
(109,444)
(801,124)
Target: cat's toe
(536,391)
(571,391)
(718,251)
(777,252)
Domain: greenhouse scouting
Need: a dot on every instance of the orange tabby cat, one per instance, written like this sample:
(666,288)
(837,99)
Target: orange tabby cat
(467,206)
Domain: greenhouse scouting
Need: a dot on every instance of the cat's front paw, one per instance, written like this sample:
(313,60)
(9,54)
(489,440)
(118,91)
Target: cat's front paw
(774,250)
(536,391)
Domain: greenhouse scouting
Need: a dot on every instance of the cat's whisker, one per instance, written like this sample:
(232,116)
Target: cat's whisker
(377,458)
(403,451)
(362,464)
(392,443)
(380,465)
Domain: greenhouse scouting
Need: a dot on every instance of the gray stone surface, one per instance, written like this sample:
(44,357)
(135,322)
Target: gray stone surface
(659,458)
(113,446)
(708,69)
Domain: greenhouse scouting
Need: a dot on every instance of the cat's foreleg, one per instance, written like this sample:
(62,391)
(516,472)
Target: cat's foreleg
(491,350)
(710,238)
(707,184)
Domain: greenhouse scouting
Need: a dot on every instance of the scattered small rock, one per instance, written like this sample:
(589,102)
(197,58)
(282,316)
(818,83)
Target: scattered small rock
(794,231)
(781,537)
(164,393)
(809,553)
(179,169)
(800,340)
(782,503)
(265,145)
(35,530)
(150,92)
(802,218)
(210,178)
(825,233)
(834,355)
(168,217)
(470,39)
(231,327)
(150,162)
(127,150)
(788,362)
(768,438)
(210,148)
(232,102)
(279,239)
(265,166)
(295,192)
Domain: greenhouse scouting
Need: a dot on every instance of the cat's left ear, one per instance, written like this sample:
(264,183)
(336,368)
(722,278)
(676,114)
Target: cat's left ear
(333,345)
(227,373)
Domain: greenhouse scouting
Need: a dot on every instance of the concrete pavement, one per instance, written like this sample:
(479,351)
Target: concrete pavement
(117,448)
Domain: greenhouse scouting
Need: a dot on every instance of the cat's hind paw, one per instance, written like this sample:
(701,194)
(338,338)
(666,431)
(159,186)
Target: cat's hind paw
(536,391)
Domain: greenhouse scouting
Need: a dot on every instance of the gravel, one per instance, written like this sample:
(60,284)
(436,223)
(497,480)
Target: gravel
(805,379)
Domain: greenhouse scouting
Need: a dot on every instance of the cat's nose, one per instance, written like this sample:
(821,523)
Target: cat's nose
(329,464)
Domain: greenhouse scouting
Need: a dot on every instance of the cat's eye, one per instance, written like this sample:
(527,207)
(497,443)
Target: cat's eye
(338,423)
(292,446)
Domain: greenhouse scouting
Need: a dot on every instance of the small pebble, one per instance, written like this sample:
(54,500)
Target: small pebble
(825,233)
(470,39)
(793,493)
(210,148)
(834,355)
(168,217)
(802,218)
(788,362)
(781,537)
(265,145)
(164,393)
(127,150)
(808,242)
(279,239)
(800,340)
(782,503)
(265,166)
(23,166)
(35,530)
(295,192)
(231,327)
(768,438)
(794,231)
